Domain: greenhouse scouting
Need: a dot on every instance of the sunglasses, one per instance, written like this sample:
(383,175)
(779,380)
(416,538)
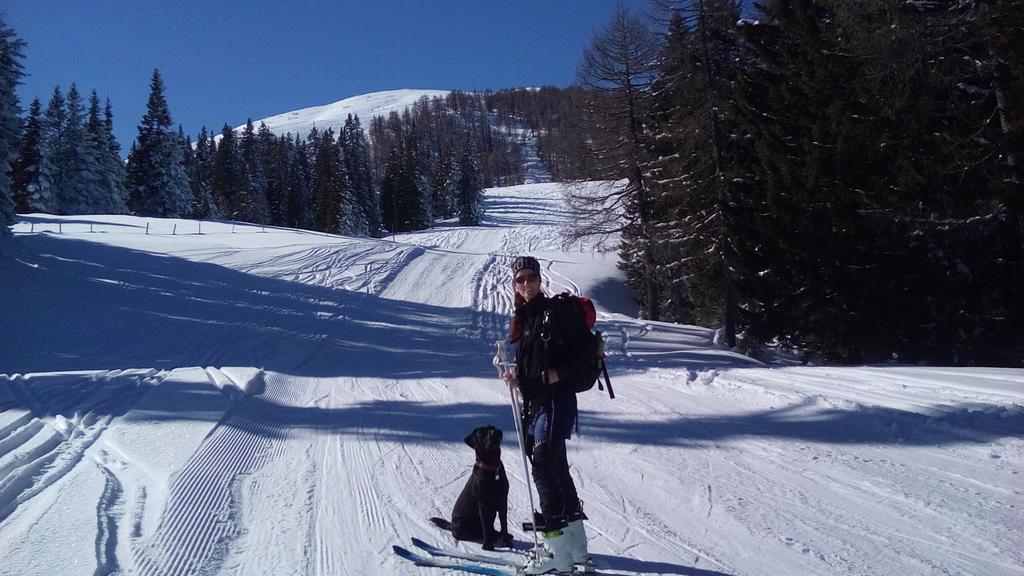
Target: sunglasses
(526,278)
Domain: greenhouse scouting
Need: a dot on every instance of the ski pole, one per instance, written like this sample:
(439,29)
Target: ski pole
(517,413)
(501,361)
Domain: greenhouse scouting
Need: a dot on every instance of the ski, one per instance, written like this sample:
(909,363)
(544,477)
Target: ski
(452,565)
(440,552)
(456,553)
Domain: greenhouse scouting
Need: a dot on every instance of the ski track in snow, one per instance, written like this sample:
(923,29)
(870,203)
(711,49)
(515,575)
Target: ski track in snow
(39,445)
(201,517)
(706,462)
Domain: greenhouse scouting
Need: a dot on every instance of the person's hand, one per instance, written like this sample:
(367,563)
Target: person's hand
(552,376)
(512,382)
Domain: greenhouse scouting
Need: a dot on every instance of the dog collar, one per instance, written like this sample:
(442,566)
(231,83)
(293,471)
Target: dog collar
(486,466)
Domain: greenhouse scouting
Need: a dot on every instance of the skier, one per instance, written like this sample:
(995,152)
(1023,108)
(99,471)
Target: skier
(541,334)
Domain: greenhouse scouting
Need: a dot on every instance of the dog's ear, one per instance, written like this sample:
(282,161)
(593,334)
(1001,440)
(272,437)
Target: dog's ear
(471,439)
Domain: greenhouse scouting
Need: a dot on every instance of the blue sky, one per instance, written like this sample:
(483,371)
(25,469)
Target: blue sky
(229,61)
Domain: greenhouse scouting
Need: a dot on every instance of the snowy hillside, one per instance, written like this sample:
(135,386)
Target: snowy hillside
(268,401)
(365,106)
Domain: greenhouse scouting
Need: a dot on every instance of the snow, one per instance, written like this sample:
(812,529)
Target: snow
(256,400)
(365,106)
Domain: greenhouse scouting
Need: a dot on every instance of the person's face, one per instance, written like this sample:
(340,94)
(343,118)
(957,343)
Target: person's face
(527,284)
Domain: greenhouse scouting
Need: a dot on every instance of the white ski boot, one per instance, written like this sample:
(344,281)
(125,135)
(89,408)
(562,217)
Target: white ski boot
(577,536)
(553,557)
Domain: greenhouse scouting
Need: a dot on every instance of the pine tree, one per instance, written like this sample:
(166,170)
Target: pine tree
(188,164)
(80,192)
(616,72)
(157,182)
(381,146)
(327,184)
(52,177)
(254,184)
(470,188)
(116,165)
(668,170)
(400,198)
(415,175)
(443,186)
(274,165)
(110,169)
(11,72)
(348,217)
(299,195)
(694,169)
(25,170)
(227,175)
(201,178)
(355,160)
(392,197)
(419,171)
(358,167)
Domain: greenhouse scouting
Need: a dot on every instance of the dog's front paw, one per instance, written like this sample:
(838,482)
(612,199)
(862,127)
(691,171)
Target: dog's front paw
(489,546)
(505,540)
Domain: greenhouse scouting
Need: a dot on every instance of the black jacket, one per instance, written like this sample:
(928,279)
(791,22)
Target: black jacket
(541,347)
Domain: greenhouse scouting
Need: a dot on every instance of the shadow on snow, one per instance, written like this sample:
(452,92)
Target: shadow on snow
(634,566)
(415,422)
(77,305)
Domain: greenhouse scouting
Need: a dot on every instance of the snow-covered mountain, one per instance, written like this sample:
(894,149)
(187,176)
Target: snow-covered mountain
(183,398)
(365,106)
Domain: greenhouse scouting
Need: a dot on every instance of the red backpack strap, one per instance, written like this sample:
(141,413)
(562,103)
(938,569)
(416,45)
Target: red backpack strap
(589,312)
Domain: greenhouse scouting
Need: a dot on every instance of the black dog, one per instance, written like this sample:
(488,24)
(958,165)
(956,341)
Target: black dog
(484,496)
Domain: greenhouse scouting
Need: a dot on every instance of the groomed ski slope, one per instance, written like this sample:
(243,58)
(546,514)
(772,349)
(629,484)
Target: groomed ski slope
(266,401)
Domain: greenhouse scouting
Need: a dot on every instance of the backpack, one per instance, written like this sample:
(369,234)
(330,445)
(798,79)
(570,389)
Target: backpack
(579,316)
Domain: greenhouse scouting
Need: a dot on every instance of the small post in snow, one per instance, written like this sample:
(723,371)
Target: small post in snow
(90,228)
(147,228)
(174,231)
(200,227)
(32,228)
(60,227)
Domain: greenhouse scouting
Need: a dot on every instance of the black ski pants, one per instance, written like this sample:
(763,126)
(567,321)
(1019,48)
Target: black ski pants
(558,498)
